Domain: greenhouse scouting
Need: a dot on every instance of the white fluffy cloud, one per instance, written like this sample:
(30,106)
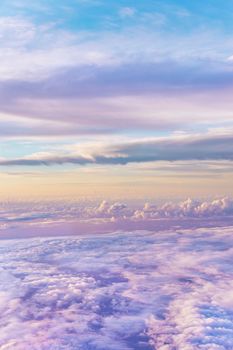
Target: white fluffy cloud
(187,208)
(33,213)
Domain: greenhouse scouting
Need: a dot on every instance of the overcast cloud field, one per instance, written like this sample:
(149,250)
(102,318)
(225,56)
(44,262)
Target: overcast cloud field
(121,291)
(165,288)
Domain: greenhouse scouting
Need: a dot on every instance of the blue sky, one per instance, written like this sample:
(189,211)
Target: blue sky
(97,14)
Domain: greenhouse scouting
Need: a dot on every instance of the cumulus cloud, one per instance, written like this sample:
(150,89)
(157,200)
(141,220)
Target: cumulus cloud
(106,209)
(160,290)
(187,208)
(29,219)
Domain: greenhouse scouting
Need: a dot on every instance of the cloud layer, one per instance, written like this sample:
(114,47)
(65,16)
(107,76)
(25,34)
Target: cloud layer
(147,291)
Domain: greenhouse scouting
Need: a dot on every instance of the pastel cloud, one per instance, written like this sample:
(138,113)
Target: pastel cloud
(124,291)
(123,97)
(187,208)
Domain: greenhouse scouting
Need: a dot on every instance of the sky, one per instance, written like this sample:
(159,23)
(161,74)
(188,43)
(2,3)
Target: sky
(116,98)
(116,168)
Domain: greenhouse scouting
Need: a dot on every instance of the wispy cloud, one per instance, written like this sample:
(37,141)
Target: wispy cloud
(127,12)
(127,97)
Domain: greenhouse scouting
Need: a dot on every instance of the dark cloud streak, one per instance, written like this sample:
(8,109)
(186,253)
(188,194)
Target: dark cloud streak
(208,147)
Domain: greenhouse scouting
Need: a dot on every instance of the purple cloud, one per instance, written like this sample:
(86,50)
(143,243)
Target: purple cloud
(91,99)
(150,290)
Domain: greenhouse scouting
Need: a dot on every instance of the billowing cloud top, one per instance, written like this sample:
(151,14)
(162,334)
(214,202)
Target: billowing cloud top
(56,218)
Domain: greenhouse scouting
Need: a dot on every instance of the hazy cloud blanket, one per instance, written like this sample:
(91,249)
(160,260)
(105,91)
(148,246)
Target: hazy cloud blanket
(140,290)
